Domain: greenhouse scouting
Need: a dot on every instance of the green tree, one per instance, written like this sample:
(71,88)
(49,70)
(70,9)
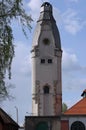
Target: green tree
(9,10)
(64,107)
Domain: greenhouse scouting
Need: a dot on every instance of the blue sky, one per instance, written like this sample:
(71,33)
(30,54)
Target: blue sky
(70,16)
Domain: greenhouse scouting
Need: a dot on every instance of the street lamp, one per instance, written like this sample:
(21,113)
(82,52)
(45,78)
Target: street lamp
(16,113)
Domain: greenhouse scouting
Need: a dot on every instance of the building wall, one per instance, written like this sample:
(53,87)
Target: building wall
(71,120)
(1,126)
(56,125)
(77,118)
(53,122)
(64,125)
(46,74)
(9,127)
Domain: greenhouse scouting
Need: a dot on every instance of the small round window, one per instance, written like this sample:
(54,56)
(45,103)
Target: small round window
(46,41)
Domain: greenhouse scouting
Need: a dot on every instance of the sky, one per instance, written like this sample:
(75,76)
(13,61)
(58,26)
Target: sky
(70,16)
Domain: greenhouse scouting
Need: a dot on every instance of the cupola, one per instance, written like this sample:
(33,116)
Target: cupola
(46,7)
(46,12)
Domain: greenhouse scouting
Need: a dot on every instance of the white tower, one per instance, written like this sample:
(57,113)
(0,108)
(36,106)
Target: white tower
(46,65)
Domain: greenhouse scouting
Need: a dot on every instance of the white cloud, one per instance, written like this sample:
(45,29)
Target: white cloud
(34,6)
(73,73)
(21,64)
(57,15)
(73,78)
(71,21)
(26,65)
(73,0)
(70,61)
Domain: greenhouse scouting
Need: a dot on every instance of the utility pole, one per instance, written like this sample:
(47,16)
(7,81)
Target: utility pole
(16,114)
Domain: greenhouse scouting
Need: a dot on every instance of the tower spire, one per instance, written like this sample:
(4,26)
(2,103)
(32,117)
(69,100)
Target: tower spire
(46,18)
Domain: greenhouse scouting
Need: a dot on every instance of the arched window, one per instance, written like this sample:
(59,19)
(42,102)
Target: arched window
(46,89)
(77,126)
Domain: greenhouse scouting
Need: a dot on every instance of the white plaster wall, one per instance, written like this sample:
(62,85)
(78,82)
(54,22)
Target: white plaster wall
(46,73)
(73,119)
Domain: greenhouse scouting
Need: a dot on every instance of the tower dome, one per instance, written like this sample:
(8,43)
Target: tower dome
(46,18)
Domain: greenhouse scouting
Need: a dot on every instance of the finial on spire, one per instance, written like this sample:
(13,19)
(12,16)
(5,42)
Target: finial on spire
(46,6)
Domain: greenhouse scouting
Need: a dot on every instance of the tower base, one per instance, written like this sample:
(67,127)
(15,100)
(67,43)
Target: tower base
(42,123)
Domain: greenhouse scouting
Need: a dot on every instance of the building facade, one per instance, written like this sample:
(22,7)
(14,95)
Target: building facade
(75,117)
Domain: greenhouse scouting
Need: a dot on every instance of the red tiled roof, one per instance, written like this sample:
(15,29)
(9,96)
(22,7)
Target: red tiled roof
(6,118)
(78,109)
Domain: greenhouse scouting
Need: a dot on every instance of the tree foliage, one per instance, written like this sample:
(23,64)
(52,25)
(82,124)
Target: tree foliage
(64,107)
(9,10)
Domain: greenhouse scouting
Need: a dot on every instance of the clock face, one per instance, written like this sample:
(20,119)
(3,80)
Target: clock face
(46,41)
